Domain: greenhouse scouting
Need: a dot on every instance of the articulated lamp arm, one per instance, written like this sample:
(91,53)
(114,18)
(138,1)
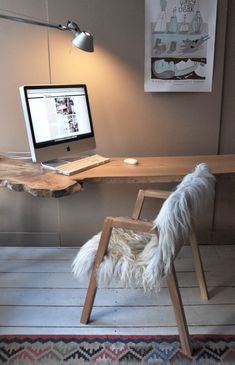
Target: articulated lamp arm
(82,40)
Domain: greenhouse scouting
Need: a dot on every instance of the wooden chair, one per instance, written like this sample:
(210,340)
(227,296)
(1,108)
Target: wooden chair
(204,189)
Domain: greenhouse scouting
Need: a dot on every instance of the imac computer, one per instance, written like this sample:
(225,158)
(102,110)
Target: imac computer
(58,121)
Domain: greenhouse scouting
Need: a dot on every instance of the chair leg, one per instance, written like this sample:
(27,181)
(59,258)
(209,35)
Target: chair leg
(198,267)
(92,288)
(179,312)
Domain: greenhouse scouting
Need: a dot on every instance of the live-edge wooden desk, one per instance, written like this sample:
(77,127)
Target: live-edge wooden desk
(19,175)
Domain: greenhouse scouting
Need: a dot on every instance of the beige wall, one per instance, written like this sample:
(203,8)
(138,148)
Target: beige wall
(224,216)
(127,121)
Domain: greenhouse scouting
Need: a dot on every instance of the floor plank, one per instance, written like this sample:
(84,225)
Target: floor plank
(110,297)
(66,280)
(196,315)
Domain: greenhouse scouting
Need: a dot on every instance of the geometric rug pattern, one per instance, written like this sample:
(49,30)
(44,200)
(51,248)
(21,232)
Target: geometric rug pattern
(112,350)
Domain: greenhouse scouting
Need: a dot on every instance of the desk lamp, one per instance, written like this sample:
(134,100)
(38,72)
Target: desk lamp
(82,40)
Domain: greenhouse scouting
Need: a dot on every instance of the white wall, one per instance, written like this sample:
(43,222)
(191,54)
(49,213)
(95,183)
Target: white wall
(24,60)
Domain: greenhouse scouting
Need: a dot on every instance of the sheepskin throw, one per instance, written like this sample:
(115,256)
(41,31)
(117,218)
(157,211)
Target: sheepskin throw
(142,259)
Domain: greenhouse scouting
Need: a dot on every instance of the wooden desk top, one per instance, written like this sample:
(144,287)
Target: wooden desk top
(155,169)
(19,175)
(25,176)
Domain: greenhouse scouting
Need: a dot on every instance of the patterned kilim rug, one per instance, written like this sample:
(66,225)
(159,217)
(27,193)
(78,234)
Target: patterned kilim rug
(112,350)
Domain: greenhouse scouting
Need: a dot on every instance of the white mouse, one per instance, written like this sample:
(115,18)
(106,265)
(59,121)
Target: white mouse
(131,161)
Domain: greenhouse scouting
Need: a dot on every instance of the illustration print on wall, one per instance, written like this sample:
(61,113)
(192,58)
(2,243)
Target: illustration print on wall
(179,44)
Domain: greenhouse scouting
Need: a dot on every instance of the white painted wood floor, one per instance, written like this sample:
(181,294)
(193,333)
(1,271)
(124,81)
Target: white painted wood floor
(38,295)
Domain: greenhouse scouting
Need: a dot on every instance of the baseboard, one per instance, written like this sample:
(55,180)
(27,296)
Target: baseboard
(53,239)
(223,237)
(30,239)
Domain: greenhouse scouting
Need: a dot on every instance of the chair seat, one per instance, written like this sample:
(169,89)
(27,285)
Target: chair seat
(128,259)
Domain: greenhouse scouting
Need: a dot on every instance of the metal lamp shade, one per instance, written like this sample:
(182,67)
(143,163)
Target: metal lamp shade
(84,41)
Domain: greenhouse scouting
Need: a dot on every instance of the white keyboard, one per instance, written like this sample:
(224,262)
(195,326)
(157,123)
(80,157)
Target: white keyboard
(73,167)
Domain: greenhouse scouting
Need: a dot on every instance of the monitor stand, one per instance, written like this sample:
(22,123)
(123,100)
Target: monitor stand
(53,164)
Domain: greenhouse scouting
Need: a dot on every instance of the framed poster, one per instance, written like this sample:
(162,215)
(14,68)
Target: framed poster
(179,45)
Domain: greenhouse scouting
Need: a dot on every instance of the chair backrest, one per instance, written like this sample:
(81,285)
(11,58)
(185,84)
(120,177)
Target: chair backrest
(179,212)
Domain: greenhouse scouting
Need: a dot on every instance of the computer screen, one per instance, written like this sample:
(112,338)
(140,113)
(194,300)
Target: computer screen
(58,120)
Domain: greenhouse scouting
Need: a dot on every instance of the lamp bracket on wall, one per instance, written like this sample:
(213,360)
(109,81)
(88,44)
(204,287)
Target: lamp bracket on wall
(82,40)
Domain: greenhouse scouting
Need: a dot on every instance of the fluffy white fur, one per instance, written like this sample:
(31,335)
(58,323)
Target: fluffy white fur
(142,259)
